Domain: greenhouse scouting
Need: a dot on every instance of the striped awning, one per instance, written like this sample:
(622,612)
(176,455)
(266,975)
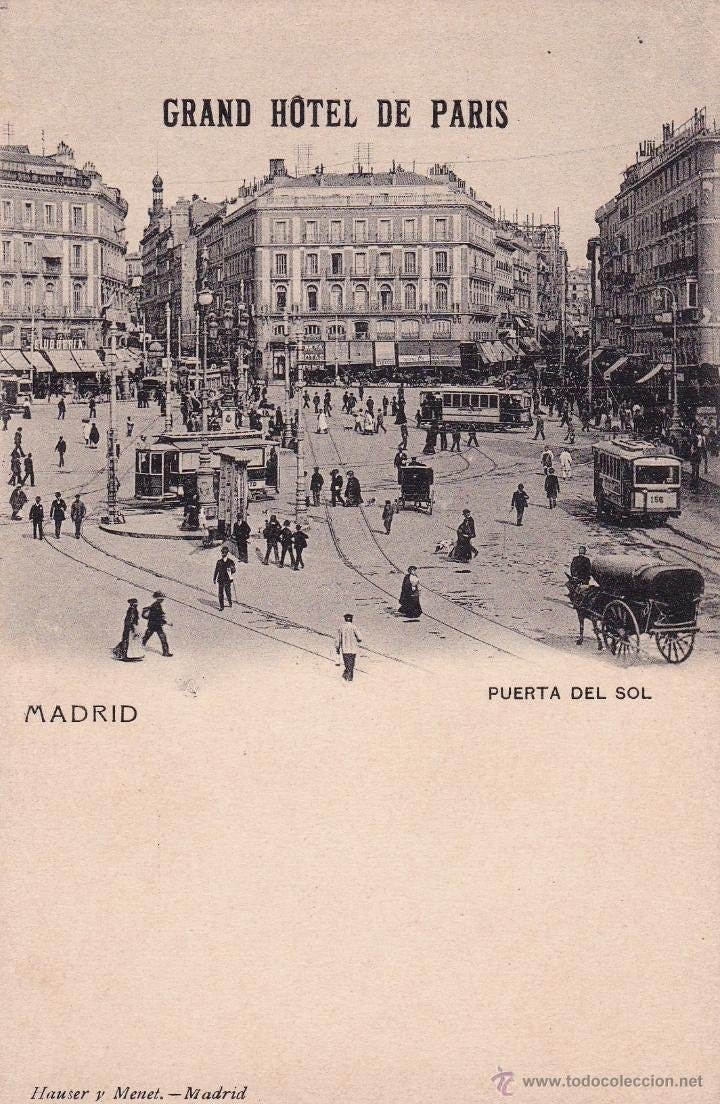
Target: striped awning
(614,367)
(63,362)
(649,375)
(14,359)
(87,360)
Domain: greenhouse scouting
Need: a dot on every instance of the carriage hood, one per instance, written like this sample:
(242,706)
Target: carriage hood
(638,577)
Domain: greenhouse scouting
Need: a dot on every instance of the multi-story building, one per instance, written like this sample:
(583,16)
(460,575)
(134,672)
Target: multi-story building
(659,244)
(62,251)
(364,260)
(168,251)
(578,300)
(133,286)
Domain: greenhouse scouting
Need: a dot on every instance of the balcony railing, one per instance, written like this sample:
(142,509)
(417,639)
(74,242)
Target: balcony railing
(441,270)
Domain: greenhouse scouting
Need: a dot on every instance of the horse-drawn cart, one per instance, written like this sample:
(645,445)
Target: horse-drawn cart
(632,596)
(416,487)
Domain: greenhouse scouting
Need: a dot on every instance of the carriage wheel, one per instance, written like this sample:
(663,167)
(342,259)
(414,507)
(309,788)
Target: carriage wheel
(620,631)
(675,647)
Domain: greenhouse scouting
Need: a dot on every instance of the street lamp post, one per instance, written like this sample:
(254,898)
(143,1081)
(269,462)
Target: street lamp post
(300,488)
(112,486)
(205,489)
(675,425)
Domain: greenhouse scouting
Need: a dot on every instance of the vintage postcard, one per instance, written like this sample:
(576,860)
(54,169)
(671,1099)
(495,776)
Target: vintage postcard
(360,436)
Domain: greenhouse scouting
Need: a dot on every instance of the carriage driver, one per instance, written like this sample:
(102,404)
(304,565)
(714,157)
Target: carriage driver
(581,592)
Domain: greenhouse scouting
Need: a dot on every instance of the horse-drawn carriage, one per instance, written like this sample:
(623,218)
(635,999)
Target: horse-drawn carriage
(632,596)
(416,487)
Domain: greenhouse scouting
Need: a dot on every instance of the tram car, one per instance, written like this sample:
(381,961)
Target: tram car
(416,487)
(484,407)
(636,481)
(633,596)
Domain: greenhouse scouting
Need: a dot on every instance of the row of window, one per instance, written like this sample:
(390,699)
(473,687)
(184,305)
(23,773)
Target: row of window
(311,261)
(361,298)
(50,295)
(26,253)
(338,232)
(360,331)
(48,215)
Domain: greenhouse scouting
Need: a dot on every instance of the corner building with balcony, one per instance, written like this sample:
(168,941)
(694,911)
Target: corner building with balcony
(364,263)
(62,251)
(662,231)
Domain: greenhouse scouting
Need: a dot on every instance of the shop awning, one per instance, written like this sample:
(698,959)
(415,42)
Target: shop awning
(15,360)
(649,375)
(385,354)
(63,362)
(614,367)
(596,354)
(487,353)
(445,353)
(52,249)
(87,360)
(413,353)
(520,322)
(37,360)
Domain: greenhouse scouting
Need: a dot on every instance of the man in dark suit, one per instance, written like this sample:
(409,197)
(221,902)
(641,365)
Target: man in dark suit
(60,449)
(36,515)
(286,543)
(271,532)
(224,571)
(156,621)
(78,511)
(58,509)
(241,532)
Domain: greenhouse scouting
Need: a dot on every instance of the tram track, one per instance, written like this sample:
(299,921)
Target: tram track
(353,566)
(280,621)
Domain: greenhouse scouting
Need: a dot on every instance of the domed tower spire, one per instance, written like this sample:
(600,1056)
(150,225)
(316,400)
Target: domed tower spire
(157,188)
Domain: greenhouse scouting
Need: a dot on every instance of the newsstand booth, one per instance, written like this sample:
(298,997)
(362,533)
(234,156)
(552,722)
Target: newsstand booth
(242,477)
(167,469)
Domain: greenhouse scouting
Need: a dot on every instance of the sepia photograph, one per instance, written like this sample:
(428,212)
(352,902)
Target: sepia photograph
(363,364)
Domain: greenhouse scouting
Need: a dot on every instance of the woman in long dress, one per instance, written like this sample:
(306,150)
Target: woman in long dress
(410,595)
(129,650)
(322,423)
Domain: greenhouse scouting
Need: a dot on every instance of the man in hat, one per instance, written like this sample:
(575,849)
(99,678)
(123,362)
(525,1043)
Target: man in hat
(347,646)
(36,515)
(299,544)
(519,502)
(287,545)
(316,485)
(58,510)
(224,571)
(241,532)
(78,511)
(271,532)
(336,486)
(60,449)
(156,621)
(353,494)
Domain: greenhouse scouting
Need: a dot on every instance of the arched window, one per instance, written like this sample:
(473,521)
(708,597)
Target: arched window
(280,298)
(336,297)
(312,330)
(337,331)
(386,297)
(410,297)
(441,297)
(410,327)
(27,293)
(77,297)
(6,293)
(312,298)
(360,297)
(50,294)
